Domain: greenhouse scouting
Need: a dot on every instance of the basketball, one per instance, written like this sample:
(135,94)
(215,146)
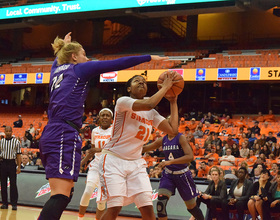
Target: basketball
(177,87)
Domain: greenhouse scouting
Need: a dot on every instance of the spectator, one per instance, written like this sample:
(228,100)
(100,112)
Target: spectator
(18,123)
(31,129)
(239,192)
(215,195)
(270,117)
(193,171)
(45,116)
(207,149)
(10,153)
(260,117)
(182,125)
(36,139)
(157,172)
(207,128)
(25,161)
(251,158)
(273,203)
(228,159)
(244,152)
(259,193)
(208,140)
(209,118)
(252,140)
(149,159)
(192,125)
(235,151)
(213,156)
(203,170)
(84,117)
(249,133)
(40,127)
(217,141)
(39,164)
(241,122)
(276,150)
(198,132)
(197,151)
(274,170)
(25,143)
(87,133)
(262,140)
(271,138)
(256,129)
(216,120)
(266,129)
(230,141)
(266,150)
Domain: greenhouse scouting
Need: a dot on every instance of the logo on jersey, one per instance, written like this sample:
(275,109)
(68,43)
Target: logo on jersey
(45,189)
(255,73)
(94,194)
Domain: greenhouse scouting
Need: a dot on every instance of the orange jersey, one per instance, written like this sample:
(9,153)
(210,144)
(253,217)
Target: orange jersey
(215,157)
(260,119)
(192,127)
(225,131)
(208,130)
(240,124)
(266,130)
(269,118)
(251,161)
(203,173)
(182,128)
(198,152)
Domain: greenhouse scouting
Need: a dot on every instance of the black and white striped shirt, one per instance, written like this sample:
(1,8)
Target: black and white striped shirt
(9,148)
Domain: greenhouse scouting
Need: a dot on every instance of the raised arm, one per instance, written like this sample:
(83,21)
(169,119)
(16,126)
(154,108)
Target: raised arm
(170,126)
(93,68)
(187,158)
(152,146)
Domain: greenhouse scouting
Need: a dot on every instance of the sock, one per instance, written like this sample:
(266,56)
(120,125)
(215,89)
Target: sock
(54,207)
(197,213)
(80,216)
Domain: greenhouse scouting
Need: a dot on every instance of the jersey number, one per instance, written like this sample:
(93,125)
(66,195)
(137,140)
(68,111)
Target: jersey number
(56,82)
(143,134)
(101,144)
(170,157)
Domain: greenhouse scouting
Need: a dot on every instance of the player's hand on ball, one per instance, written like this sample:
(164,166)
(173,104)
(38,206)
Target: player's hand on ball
(168,80)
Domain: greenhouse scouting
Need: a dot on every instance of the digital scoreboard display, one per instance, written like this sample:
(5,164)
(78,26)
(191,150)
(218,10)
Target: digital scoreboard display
(89,5)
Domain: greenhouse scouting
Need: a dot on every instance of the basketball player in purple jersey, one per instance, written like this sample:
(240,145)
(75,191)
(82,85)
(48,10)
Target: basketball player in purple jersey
(176,174)
(60,144)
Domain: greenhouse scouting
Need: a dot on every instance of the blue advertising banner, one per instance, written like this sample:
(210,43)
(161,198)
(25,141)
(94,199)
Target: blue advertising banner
(255,73)
(87,5)
(200,74)
(2,78)
(20,78)
(227,74)
(39,78)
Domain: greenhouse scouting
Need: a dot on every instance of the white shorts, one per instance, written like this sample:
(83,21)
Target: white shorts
(122,178)
(93,173)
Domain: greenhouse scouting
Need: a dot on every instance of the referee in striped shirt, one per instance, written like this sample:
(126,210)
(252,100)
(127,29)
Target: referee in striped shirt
(9,152)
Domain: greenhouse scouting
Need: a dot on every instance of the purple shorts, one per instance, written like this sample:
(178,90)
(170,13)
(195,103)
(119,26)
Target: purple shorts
(183,182)
(60,151)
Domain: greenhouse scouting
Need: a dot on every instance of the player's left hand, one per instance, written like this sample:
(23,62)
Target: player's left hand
(163,164)
(67,38)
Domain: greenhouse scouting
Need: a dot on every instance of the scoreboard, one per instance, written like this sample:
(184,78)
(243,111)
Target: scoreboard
(77,6)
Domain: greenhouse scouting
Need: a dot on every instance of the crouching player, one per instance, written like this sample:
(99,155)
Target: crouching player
(176,174)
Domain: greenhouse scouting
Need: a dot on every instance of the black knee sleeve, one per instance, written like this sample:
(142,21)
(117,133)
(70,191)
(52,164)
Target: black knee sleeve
(197,213)
(161,205)
(54,207)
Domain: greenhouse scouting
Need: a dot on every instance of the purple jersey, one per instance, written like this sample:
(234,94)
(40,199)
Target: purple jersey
(69,85)
(172,150)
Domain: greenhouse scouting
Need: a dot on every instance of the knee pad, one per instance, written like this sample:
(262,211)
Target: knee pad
(90,187)
(161,205)
(143,199)
(101,206)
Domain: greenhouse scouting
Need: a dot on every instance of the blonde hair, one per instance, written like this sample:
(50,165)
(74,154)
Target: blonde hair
(64,51)
(215,168)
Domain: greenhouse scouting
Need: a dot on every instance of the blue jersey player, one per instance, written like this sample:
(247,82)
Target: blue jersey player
(60,144)
(176,174)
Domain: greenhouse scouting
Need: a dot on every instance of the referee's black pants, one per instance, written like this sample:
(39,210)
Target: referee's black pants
(8,170)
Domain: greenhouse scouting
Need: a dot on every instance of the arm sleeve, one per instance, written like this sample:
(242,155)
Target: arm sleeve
(18,147)
(93,68)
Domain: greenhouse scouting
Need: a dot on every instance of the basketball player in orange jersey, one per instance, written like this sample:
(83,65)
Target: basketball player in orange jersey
(122,169)
(100,136)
